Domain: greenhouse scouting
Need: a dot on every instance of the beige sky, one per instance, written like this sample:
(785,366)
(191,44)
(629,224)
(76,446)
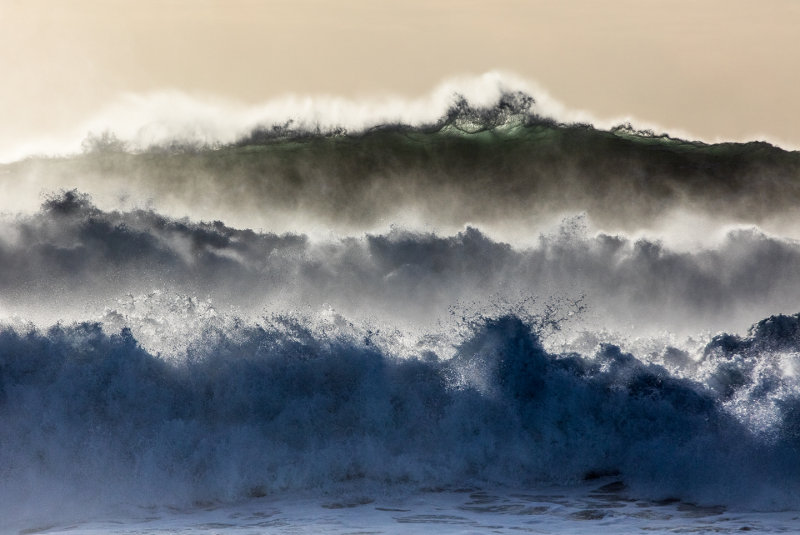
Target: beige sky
(716,69)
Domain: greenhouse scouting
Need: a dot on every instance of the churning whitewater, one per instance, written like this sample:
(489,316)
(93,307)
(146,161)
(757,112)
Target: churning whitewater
(484,297)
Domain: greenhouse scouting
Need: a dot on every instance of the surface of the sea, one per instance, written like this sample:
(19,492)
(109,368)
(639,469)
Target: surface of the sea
(487,322)
(599,507)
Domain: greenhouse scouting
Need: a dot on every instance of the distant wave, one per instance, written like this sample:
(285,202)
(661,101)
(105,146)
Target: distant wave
(172,118)
(502,166)
(71,253)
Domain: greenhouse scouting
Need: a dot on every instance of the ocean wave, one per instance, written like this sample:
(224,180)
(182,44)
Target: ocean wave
(284,404)
(499,164)
(71,259)
(474,293)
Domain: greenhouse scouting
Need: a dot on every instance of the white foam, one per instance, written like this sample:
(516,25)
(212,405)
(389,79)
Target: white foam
(155,118)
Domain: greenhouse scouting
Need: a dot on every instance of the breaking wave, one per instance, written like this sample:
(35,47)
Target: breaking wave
(70,258)
(501,166)
(289,403)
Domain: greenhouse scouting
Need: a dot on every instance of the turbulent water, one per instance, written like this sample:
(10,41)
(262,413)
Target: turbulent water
(493,299)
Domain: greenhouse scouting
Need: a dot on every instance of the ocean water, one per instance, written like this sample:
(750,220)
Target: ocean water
(480,319)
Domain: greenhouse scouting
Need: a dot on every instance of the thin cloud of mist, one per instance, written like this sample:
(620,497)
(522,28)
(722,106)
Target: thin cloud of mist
(73,252)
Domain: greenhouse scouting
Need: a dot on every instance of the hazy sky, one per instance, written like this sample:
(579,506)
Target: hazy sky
(716,68)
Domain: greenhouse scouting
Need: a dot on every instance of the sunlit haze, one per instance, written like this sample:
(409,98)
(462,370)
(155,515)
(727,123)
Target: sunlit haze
(714,69)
